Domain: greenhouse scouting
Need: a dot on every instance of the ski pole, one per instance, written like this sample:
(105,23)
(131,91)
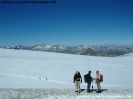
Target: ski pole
(92,85)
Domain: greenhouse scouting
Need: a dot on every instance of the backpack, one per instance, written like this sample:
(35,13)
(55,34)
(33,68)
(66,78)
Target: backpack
(101,78)
(85,78)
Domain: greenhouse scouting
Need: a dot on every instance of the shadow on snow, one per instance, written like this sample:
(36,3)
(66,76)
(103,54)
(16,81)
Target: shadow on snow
(93,90)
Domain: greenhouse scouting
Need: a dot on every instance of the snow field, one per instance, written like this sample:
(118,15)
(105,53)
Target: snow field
(63,94)
(23,75)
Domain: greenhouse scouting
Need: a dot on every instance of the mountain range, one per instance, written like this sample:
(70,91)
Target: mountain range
(108,50)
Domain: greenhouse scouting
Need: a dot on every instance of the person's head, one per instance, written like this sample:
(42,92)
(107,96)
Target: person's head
(97,72)
(77,72)
(89,72)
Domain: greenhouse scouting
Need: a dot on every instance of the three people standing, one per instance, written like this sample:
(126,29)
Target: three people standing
(88,79)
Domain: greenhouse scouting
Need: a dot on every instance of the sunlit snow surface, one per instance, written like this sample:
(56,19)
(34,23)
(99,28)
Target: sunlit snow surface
(54,72)
(64,94)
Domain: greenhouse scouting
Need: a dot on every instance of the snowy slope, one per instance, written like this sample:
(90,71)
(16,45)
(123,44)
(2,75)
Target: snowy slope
(63,94)
(22,69)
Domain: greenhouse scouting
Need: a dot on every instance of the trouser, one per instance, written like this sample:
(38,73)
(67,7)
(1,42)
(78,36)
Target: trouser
(88,86)
(98,86)
(77,84)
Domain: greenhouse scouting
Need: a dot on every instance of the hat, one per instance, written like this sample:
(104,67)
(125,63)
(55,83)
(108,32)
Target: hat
(77,71)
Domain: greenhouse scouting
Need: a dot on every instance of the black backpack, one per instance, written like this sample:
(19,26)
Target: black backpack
(85,78)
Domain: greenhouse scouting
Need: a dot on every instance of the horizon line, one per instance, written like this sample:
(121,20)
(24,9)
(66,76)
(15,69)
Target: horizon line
(71,45)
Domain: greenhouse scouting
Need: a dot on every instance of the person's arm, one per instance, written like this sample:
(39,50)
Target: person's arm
(92,79)
(74,79)
(78,77)
(81,78)
(98,78)
(85,78)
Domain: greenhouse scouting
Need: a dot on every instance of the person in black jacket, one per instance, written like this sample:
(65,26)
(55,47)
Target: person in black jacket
(77,80)
(88,79)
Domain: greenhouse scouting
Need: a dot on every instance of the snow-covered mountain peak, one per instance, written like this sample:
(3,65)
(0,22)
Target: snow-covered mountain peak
(58,47)
(82,47)
(42,46)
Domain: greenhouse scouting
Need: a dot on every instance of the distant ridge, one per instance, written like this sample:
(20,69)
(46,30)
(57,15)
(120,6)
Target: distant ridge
(108,50)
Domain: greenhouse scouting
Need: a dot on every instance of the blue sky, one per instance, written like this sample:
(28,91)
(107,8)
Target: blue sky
(67,22)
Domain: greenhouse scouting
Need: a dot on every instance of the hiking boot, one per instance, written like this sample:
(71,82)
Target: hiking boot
(98,92)
(88,91)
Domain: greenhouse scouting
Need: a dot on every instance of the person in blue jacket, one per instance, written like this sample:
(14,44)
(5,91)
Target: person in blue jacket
(88,79)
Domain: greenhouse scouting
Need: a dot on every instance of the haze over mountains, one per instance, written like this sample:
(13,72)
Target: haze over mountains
(109,50)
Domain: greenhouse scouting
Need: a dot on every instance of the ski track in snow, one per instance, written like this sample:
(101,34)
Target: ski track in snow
(50,80)
(110,64)
(103,64)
